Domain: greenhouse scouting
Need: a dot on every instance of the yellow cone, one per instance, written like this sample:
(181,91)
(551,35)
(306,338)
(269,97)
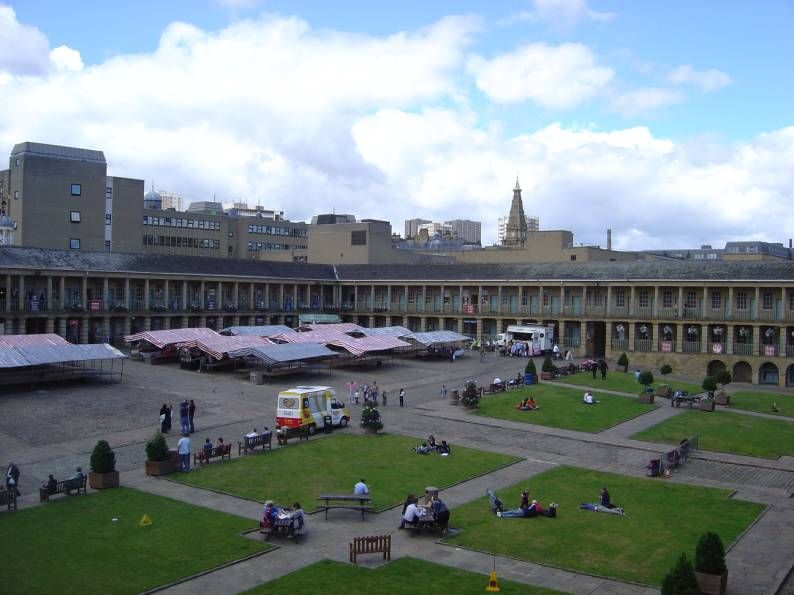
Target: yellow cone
(145,521)
(493,583)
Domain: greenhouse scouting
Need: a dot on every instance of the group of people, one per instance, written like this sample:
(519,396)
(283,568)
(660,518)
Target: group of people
(51,485)
(289,517)
(431,445)
(599,366)
(526,509)
(527,404)
(369,393)
(432,511)
(187,413)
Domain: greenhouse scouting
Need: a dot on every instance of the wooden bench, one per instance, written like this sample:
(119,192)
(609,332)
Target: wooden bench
(370,545)
(250,443)
(67,486)
(675,401)
(345,501)
(284,433)
(204,456)
(9,499)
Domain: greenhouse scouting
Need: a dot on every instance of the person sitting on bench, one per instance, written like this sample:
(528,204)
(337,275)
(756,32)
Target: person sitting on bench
(412,512)
(51,485)
(296,518)
(269,514)
(588,399)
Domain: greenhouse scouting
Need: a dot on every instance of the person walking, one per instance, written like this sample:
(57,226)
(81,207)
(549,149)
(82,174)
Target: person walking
(482,355)
(183,449)
(384,397)
(12,478)
(594,368)
(603,367)
(191,412)
(164,418)
(169,417)
(184,416)
(443,391)
(402,397)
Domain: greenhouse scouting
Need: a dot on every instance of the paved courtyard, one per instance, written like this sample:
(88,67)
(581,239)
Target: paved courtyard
(52,429)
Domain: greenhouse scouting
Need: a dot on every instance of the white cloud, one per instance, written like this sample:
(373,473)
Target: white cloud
(65,58)
(561,14)
(705,80)
(238,4)
(640,101)
(24,50)
(558,77)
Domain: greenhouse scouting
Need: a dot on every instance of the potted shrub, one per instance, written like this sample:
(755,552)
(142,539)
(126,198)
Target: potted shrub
(710,569)
(709,385)
(454,396)
(158,458)
(623,360)
(370,419)
(548,368)
(530,372)
(724,378)
(681,579)
(646,379)
(471,396)
(665,370)
(103,472)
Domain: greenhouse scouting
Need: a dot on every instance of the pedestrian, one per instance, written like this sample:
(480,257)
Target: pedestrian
(169,417)
(443,391)
(191,412)
(164,418)
(383,396)
(351,388)
(482,355)
(356,395)
(12,478)
(374,392)
(184,416)
(183,449)
(402,397)
(594,368)
(603,367)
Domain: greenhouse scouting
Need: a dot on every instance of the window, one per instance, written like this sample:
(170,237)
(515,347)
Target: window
(766,300)
(108,218)
(791,300)
(620,298)
(599,298)
(691,299)
(741,300)
(573,256)
(643,298)
(74,216)
(667,298)
(74,243)
(358,238)
(76,189)
(716,300)
(16,162)
(16,194)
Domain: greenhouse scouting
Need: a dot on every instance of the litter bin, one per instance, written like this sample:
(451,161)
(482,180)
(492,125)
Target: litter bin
(529,378)
(257,377)
(454,396)
(328,424)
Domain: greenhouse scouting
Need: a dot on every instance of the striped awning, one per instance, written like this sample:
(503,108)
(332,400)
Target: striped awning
(36,355)
(220,346)
(31,340)
(365,345)
(285,353)
(437,338)
(185,336)
(390,331)
(260,331)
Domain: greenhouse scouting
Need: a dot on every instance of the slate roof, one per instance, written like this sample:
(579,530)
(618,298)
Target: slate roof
(58,151)
(15,257)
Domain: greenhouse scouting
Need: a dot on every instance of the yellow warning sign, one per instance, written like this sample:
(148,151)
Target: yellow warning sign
(145,521)
(493,583)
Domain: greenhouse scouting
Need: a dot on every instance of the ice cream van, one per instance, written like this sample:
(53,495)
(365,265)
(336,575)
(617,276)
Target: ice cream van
(310,406)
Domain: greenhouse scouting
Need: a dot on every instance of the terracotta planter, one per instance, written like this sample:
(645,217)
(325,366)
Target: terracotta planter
(706,405)
(159,467)
(103,481)
(712,584)
(645,397)
(722,399)
(370,430)
(546,376)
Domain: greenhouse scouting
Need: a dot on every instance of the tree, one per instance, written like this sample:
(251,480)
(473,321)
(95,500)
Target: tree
(471,395)
(665,369)
(723,377)
(681,579)
(548,365)
(103,459)
(709,385)
(623,360)
(157,449)
(531,369)
(370,417)
(645,378)
(710,554)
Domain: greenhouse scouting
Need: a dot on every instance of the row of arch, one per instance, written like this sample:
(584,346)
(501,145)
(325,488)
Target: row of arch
(768,373)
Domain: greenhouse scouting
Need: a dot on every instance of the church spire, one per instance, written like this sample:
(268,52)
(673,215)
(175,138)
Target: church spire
(516,229)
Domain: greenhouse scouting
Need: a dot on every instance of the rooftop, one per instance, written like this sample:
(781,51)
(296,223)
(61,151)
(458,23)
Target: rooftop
(58,151)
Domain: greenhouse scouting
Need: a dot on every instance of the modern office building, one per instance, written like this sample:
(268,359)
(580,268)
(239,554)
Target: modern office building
(412,227)
(470,232)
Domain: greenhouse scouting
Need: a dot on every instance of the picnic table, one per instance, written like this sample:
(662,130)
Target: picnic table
(364,502)
(427,520)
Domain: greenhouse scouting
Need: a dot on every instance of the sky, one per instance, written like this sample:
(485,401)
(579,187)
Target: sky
(672,123)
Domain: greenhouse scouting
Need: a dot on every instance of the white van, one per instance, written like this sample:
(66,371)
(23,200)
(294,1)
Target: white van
(310,406)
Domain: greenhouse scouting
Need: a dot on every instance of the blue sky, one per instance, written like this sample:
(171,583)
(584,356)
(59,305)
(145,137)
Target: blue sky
(677,104)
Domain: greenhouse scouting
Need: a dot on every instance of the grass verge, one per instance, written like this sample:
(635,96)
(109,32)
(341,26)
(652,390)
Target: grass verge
(624,382)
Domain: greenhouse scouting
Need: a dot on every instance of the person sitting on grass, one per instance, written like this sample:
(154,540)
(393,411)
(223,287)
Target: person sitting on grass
(531,404)
(775,408)
(604,504)
(588,399)
(523,405)
(422,449)
(521,512)
(444,449)
(431,441)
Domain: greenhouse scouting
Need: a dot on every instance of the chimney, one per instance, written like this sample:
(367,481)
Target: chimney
(609,239)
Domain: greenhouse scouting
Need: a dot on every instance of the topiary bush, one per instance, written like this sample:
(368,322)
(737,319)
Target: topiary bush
(723,377)
(665,369)
(530,368)
(103,459)
(623,360)
(157,448)
(470,396)
(645,378)
(370,418)
(681,579)
(548,365)
(709,385)
(710,554)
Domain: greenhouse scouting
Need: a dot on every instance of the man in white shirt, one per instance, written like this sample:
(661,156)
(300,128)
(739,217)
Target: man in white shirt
(556,351)
(361,489)
(588,398)
(411,515)
(252,434)
(183,448)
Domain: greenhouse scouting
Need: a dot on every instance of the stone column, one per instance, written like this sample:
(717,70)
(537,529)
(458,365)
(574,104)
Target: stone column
(680,333)
(167,302)
(423,323)
(460,326)
(608,342)
(9,327)
(49,296)
(632,328)
(728,339)
(183,302)
(126,300)
(632,295)
(107,303)
(479,328)
(236,320)
(561,339)
(756,306)
(62,290)
(166,323)
(656,302)
(201,296)
(84,321)
(729,305)
(202,322)
(236,295)
(757,338)
(185,321)
(61,327)
(499,300)
(680,302)
(84,293)
(294,297)
(281,296)
(609,301)
(219,301)
(146,295)
(371,322)
(781,347)
(105,328)
(147,323)
(50,325)
(22,301)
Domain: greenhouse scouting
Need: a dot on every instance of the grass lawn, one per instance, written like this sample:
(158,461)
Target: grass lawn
(726,432)
(762,402)
(562,407)
(662,520)
(625,383)
(72,545)
(333,465)
(406,576)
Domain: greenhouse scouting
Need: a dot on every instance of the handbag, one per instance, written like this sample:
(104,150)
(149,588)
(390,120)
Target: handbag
(162,417)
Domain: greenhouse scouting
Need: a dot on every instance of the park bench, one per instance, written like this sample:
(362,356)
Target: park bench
(9,499)
(250,443)
(204,456)
(673,458)
(284,433)
(346,501)
(67,486)
(684,397)
(286,527)
(370,545)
